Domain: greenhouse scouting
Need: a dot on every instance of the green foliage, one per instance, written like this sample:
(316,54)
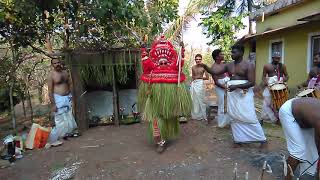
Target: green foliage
(207,58)
(221,27)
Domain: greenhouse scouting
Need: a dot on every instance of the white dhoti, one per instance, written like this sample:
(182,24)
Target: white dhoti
(244,122)
(222,118)
(197,95)
(267,112)
(64,120)
(300,142)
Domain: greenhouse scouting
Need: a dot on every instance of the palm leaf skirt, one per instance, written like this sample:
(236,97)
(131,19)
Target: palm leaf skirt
(164,102)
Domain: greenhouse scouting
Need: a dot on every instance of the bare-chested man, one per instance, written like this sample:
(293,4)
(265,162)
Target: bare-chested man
(220,82)
(198,90)
(240,103)
(300,120)
(273,73)
(59,87)
(313,80)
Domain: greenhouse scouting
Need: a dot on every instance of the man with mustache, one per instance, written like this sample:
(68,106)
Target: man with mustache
(59,87)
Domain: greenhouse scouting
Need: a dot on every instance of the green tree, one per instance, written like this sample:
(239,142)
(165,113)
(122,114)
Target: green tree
(221,27)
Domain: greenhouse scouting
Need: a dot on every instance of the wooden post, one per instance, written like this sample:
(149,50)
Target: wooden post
(80,107)
(115,98)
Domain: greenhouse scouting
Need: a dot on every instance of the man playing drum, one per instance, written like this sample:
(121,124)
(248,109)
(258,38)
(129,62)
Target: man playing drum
(273,73)
(313,80)
(300,122)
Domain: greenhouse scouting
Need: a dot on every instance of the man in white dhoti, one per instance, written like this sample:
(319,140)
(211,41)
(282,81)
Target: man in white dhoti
(199,111)
(240,103)
(300,122)
(273,73)
(220,81)
(59,87)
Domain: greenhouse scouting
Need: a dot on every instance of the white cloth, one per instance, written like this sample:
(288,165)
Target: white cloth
(244,122)
(300,142)
(222,118)
(267,112)
(197,95)
(63,118)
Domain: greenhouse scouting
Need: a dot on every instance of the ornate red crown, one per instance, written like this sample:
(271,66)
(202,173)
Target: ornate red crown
(162,66)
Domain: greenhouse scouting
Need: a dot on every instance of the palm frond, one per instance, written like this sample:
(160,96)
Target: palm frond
(194,7)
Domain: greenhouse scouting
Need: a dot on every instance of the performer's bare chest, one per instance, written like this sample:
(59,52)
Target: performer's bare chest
(238,71)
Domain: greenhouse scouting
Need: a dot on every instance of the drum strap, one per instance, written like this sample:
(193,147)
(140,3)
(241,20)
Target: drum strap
(278,70)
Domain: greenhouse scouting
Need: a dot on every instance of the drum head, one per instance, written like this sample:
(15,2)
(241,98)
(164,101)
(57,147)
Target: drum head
(305,92)
(277,87)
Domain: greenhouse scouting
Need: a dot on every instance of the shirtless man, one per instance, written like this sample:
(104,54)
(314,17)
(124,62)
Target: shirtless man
(314,74)
(59,87)
(274,72)
(240,103)
(300,120)
(220,82)
(198,90)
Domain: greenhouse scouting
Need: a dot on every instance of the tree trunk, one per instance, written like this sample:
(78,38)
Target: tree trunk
(24,108)
(40,94)
(13,116)
(250,11)
(30,105)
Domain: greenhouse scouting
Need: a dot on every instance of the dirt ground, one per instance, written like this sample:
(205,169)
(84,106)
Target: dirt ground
(107,152)
(201,152)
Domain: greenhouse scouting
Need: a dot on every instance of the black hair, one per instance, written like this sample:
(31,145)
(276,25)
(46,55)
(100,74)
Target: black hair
(216,53)
(239,47)
(198,55)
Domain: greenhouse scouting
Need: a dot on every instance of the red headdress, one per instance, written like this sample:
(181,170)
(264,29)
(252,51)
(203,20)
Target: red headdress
(163,64)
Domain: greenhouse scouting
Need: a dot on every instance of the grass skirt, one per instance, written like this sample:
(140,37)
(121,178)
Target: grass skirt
(165,103)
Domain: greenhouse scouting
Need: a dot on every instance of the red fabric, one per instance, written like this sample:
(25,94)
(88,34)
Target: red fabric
(156,130)
(162,64)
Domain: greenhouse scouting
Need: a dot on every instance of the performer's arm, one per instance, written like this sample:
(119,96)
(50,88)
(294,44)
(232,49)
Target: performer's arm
(285,73)
(206,76)
(51,92)
(310,76)
(193,73)
(264,74)
(214,72)
(251,80)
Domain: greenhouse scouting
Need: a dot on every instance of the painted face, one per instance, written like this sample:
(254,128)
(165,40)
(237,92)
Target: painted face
(236,54)
(56,64)
(198,60)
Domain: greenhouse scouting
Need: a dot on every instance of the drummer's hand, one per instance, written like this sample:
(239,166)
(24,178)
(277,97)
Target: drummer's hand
(232,88)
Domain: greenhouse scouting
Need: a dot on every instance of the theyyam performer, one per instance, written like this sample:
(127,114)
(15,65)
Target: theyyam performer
(162,96)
